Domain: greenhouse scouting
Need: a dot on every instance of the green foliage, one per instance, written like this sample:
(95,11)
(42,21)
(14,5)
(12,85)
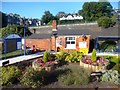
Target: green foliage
(115,60)
(111,76)
(11,54)
(93,57)
(13,29)
(61,55)
(108,46)
(113,20)
(107,57)
(76,76)
(47,17)
(106,22)
(50,22)
(93,10)
(117,67)
(32,78)
(46,56)
(74,56)
(10,75)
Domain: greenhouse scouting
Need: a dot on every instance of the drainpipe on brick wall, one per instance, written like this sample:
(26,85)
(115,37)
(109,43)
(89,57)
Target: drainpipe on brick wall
(50,44)
(55,36)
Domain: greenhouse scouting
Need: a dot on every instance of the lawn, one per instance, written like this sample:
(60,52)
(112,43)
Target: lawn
(11,54)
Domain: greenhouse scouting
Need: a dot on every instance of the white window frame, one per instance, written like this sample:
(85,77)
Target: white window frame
(70,39)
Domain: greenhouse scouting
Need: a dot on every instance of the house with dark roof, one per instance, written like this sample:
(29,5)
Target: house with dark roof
(69,37)
(56,39)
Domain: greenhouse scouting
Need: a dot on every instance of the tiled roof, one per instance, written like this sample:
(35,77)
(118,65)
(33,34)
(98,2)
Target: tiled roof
(72,32)
(93,30)
(39,36)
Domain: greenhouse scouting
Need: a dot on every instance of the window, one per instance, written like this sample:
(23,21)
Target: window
(70,43)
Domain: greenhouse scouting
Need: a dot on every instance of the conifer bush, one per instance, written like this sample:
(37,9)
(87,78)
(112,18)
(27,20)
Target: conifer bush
(46,56)
(94,58)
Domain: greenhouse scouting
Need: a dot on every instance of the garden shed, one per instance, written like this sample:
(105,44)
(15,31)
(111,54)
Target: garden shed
(12,42)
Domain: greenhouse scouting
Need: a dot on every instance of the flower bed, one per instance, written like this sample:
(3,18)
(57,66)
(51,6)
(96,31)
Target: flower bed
(47,62)
(40,65)
(98,65)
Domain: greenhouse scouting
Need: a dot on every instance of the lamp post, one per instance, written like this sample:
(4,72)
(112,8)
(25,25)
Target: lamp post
(24,40)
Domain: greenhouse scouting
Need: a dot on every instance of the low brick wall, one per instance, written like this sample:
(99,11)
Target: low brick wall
(91,67)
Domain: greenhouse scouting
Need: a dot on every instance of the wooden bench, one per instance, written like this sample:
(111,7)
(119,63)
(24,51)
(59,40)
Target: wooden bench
(96,75)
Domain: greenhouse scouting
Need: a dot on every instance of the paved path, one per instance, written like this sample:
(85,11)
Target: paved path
(105,54)
(23,58)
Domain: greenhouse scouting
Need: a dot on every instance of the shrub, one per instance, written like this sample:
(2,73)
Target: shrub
(117,67)
(61,55)
(74,56)
(10,75)
(115,60)
(46,56)
(94,58)
(76,76)
(111,76)
(32,78)
(104,22)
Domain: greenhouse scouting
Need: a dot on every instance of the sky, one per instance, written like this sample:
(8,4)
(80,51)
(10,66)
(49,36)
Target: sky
(37,9)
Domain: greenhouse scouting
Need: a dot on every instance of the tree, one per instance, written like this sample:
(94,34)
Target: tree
(47,17)
(93,10)
(79,12)
(104,22)
(60,14)
(113,20)
(13,29)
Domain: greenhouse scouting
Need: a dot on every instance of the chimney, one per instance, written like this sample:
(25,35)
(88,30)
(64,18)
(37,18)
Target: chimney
(54,25)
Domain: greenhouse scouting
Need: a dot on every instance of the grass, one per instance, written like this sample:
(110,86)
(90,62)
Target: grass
(11,54)
(74,76)
(114,59)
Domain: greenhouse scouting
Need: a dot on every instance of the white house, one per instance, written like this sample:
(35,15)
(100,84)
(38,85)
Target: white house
(72,17)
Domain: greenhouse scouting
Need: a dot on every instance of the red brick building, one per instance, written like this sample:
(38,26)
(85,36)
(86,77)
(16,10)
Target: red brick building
(56,39)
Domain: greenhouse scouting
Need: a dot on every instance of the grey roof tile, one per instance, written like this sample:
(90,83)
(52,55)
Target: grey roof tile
(39,36)
(92,30)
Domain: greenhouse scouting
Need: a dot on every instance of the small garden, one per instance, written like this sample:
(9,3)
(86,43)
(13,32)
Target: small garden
(61,70)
